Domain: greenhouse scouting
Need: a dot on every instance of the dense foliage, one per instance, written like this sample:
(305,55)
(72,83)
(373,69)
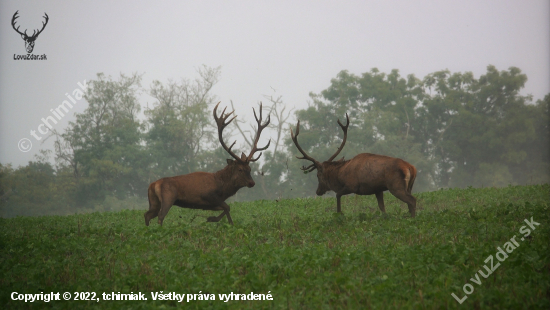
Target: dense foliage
(298,250)
(457,130)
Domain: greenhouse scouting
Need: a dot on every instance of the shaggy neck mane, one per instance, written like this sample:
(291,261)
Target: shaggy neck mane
(333,166)
(224,175)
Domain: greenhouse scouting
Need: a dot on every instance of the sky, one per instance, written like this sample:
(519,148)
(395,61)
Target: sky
(264,48)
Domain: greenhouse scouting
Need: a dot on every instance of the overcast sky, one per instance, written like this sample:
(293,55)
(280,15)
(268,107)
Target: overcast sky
(287,48)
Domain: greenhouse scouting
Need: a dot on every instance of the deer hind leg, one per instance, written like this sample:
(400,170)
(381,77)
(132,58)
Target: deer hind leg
(380,198)
(166,203)
(406,197)
(165,207)
(152,213)
(154,207)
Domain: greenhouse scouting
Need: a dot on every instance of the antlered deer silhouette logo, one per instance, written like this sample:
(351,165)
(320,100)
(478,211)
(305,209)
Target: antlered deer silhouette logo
(29,40)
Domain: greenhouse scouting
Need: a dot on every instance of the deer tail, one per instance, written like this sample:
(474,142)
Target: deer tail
(154,194)
(412,171)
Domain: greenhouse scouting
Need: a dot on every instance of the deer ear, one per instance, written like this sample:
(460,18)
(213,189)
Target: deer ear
(230,161)
(243,157)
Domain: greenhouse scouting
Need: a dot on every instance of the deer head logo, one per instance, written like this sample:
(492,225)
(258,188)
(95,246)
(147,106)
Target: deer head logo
(29,40)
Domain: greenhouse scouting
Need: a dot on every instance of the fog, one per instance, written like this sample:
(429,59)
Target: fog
(282,48)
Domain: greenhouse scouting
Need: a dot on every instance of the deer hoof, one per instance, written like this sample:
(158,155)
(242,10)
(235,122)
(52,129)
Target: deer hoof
(212,219)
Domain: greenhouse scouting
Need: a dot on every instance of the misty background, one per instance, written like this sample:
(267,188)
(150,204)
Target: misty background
(460,90)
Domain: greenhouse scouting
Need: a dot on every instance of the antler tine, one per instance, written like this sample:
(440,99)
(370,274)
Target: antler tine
(254,111)
(260,120)
(223,117)
(231,146)
(258,133)
(260,149)
(226,117)
(305,156)
(265,147)
(255,159)
(345,129)
(308,168)
(221,123)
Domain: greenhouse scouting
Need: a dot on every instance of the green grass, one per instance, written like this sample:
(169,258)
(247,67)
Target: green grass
(299,250)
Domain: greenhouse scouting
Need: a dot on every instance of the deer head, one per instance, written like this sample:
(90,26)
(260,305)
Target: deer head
(323,186)
(29,40)
(241,165)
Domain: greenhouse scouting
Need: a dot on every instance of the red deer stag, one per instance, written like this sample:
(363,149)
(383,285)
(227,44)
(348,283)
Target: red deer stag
(365,174)
(203,190)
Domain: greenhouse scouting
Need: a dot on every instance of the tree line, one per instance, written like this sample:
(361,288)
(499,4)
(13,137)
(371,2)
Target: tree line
(456,129)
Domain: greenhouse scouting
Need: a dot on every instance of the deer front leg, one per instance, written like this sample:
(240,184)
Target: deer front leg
(380,198)
(216,218)
(229,218)
(338,205)
(219,217)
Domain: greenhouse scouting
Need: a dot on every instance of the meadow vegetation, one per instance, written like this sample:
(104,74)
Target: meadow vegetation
(299,250)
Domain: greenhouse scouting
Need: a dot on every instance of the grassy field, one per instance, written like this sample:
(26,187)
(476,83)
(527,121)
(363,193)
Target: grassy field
(299,251)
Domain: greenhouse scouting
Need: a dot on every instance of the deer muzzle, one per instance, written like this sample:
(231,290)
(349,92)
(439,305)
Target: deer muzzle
(321,191)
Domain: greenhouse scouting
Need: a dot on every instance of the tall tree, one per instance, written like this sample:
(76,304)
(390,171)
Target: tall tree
(180,125)
(490,129)
(103,145)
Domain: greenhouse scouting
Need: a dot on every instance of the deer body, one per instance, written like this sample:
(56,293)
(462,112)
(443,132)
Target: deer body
(203,190)
(368,174)
(365,174)
(197,190)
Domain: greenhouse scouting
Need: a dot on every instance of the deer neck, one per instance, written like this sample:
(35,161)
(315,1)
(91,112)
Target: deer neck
(332,171)
(228,188)
(333,168)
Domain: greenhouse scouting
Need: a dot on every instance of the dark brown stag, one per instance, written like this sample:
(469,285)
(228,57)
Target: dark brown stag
(203,190)
(365,174)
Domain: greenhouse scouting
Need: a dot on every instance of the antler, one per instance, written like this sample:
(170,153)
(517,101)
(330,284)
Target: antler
(260,128)
(221,122)
(345,129)
(43,26)
(13,24)
(34,34)
(305,156)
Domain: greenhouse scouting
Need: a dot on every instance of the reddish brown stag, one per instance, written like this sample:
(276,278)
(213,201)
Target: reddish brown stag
(203,190)
(365,174)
